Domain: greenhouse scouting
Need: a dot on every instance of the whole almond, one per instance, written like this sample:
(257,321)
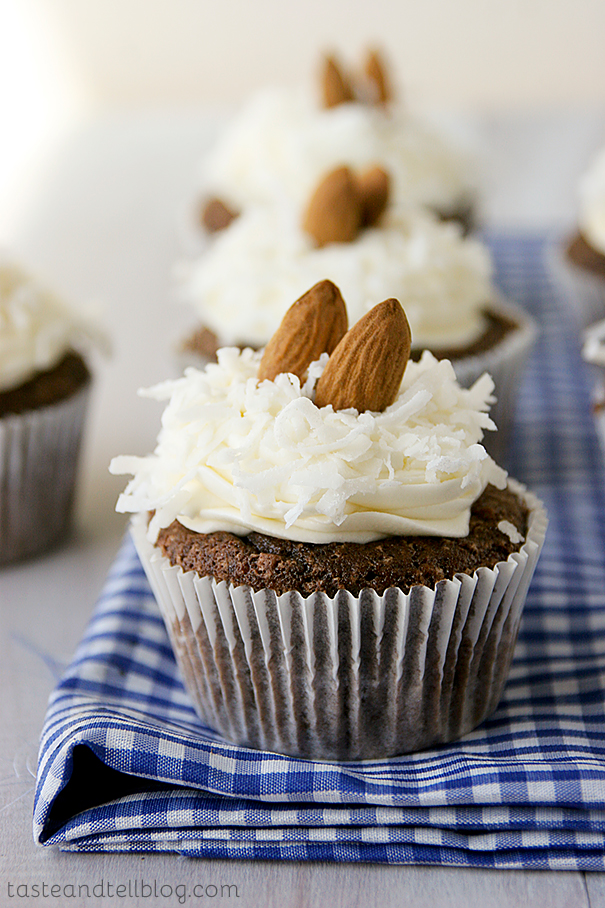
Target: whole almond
(335,87)
(313,325)
(216,215)
(376,74)
(366,368)
(335,211)
(373,187)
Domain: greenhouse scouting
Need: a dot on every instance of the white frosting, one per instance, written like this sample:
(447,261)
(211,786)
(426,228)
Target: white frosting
(36,328)
(592,203)
(252,273)
(283,143)
(237,455)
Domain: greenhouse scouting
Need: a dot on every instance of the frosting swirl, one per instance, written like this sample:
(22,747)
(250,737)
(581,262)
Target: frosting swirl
(592,203)
(239,455)
(36,328)
(282,143)
(442,280)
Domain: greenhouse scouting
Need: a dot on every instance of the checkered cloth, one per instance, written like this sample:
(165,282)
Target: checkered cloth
(126,766)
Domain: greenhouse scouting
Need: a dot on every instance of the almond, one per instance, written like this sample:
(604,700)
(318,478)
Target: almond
(373,186)
(366,368)
(334,213)
(336,88)
(216,215)
(376,74)
(313,325)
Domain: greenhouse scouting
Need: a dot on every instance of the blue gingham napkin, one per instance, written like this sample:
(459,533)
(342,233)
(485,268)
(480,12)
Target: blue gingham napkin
(126,766)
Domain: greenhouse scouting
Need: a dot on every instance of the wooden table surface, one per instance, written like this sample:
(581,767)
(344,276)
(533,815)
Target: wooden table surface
(104,227)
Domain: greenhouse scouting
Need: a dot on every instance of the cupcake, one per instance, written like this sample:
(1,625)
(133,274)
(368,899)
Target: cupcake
(350,231)
(284,140)
(340,564)
(581,271)
(44,387)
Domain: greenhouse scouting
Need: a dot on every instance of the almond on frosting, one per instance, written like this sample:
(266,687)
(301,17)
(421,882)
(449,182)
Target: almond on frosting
(344,203)
(313,325)
(335,86)
(371,86)
(376,73)
(335,211)
(365,370)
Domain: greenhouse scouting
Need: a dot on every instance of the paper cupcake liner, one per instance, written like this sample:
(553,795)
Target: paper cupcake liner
(345,678)
(506,363)
(580,291)
(38,460)
(593,352)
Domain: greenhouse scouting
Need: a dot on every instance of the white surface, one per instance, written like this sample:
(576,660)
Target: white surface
(104,226)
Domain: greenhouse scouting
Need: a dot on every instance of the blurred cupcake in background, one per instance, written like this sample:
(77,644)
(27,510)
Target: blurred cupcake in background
(284,140)
(580,270)
(351,232)
(44,389)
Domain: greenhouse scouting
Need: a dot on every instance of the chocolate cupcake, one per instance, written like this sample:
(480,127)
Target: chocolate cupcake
(340,564)
(44,387)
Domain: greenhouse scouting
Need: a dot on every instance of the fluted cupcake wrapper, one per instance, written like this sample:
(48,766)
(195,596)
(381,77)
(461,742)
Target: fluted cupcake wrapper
(593,352)
(345,678)
(506,363)
(581,291)
(38,461)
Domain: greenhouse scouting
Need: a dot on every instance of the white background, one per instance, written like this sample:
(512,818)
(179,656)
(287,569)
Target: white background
(65,60)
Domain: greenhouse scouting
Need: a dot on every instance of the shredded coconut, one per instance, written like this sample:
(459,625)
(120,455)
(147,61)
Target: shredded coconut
(239,455)
(510,530)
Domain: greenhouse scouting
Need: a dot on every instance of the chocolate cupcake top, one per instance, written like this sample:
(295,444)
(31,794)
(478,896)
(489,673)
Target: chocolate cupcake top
(352,444)
(37,329)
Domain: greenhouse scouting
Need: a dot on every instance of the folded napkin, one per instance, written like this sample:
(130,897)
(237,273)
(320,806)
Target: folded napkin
(125,765)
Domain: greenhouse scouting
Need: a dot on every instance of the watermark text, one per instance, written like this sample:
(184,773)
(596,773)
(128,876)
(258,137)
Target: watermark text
(142,889)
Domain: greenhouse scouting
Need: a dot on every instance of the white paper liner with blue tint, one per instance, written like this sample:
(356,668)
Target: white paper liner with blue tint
(506,363)
(580,289)
(345,678)
(39,452)
(593,351)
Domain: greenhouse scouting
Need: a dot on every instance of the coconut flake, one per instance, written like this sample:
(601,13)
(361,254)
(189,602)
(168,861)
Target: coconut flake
(510,530)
